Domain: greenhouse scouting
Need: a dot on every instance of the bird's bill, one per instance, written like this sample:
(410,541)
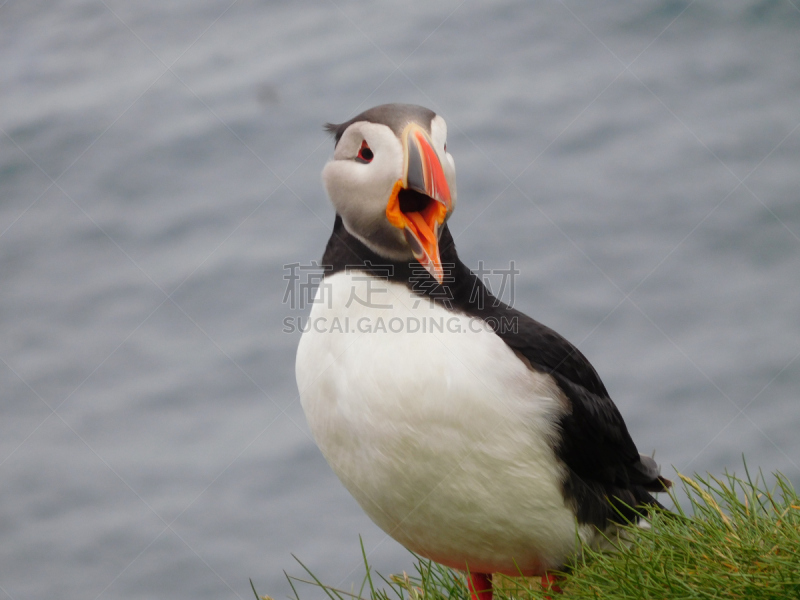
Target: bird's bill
(419,203)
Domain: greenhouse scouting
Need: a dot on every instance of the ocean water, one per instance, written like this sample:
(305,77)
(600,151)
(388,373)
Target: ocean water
(159,168)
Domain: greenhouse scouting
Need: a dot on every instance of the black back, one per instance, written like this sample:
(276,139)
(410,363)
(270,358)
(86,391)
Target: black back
(607,479)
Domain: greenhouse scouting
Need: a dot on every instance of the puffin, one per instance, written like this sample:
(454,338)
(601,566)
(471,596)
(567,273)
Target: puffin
(470,433)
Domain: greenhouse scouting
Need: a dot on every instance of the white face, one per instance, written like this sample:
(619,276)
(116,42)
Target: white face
(439,138)
(360,189)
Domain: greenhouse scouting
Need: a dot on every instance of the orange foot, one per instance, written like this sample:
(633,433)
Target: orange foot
(480,586)
(550,582)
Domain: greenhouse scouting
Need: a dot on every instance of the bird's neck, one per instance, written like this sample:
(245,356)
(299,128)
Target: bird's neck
(460,288)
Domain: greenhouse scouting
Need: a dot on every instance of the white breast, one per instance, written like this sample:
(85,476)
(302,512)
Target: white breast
(443,436)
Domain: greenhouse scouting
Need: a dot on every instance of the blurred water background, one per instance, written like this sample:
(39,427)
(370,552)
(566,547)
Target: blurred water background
(159,165)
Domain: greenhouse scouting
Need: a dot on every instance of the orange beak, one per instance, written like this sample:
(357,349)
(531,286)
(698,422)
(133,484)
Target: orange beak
(419,203)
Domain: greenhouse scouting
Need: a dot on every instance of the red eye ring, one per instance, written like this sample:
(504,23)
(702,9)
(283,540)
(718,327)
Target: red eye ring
(365,155)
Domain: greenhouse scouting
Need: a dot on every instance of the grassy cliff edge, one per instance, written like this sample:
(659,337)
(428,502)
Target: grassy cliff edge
(735,538)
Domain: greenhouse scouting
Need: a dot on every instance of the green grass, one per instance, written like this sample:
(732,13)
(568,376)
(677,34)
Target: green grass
(736,538)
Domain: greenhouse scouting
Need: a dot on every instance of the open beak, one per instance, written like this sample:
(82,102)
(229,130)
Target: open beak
(420,202)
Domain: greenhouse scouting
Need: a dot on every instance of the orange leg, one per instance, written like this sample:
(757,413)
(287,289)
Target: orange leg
(480,586)
(550,582)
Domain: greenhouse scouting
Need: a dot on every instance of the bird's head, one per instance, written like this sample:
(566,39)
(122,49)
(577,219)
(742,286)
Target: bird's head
(393,182)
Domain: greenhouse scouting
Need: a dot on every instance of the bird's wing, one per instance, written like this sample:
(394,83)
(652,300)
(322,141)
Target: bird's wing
(595,441)
(595,444)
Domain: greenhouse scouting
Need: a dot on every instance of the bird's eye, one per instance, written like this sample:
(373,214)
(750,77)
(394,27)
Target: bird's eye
(365,155)
(445,147)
